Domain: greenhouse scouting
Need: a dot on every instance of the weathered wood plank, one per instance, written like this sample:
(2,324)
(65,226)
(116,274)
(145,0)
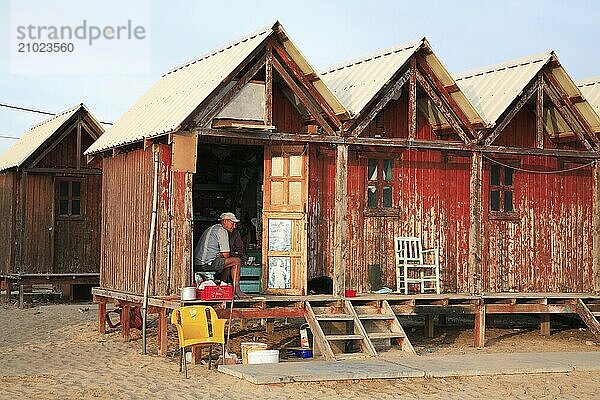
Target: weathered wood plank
(476,224)
(412,99)
(596,227)
(102,317)
(341,206)
(539,114)
(588,318)
(479,329)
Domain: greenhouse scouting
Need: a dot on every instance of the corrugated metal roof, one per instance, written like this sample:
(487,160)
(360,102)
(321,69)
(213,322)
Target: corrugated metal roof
(356,82)
(23,148)
(591,91)
(492,89)
(177,93)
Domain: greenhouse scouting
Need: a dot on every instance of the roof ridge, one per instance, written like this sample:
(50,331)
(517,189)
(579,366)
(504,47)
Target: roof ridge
(211,53)
(380,53)
(488,69)
(68,110)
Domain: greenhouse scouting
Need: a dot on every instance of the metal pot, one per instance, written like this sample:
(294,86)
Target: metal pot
(188,293)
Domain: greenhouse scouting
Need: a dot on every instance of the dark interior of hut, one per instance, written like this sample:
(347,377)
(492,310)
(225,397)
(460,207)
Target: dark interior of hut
(229,178)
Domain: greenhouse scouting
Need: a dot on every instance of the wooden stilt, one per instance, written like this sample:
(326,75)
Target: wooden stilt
(270,325)
(162,332)
(125,322)
(102,317)
(429,326)
(545,324)
(196,354)
(21,296)
(442,320)
(479,329)
(8,287)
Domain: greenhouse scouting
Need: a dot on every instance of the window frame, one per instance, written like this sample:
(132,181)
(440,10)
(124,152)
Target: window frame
(380,183)
(502,188)
(69,198)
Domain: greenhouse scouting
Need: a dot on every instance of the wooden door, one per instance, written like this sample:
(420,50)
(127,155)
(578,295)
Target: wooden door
(70,226)
(284,220)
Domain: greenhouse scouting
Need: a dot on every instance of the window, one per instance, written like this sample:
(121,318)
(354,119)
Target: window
(501,189)
(379,183)
(69,193)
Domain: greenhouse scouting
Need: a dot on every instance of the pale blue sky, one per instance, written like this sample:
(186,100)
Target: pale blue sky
(464,34)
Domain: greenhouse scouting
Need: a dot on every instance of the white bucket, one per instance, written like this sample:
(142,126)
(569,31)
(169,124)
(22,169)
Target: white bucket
(249,347)
(263,357)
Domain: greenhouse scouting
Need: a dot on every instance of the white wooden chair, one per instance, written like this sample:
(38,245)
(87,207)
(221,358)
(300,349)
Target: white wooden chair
(411,268)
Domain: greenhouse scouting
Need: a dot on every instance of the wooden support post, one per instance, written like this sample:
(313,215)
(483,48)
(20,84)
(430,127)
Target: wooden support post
(475,224)
(479,329)
(539,113)
(125,323)
(66,291)
(243,323)
(21,295)
(102,317)
(596,227)
(162,332)
(8,287)
(339,251)
(442,320)
(412,100)
(270,325)
(429,326)
(269,86)
(196,354)
(545,324)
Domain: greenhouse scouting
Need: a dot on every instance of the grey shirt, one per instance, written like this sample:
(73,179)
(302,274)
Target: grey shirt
(213,241)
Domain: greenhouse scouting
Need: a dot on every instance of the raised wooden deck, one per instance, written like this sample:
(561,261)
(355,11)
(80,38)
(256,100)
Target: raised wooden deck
(586,305)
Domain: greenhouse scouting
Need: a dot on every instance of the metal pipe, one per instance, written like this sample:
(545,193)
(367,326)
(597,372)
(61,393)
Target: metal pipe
(149,254)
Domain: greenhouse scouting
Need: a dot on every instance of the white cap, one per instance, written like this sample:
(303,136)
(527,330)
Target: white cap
(229,216)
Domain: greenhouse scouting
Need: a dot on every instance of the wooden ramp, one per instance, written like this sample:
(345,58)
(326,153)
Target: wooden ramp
(349,328)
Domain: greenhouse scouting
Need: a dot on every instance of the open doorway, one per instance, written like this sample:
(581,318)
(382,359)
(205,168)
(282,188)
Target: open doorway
(229,178)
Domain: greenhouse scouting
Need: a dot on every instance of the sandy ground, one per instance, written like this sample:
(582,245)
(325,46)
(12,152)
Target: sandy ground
(55,352)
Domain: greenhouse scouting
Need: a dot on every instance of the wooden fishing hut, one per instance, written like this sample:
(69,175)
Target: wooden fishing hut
(252,128)
(50,205)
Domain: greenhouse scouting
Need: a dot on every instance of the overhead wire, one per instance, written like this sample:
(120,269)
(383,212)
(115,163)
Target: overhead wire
(33,110)
(558,171)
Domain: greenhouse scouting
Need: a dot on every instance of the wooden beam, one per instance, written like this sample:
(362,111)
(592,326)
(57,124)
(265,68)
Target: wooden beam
(571,107)
(306,82)
(476,223)
(567,115)
(398,143)
(511,114)
(451,88)
(428,72)
(125,322)
(269,86)
(393,92)
(596,227)
(443,108)
(235,89)
(64,171)
(79,149)
(539,114)
(576,99)
(412,99)
(21,222)
(302,96)
(341,206)
(429,326)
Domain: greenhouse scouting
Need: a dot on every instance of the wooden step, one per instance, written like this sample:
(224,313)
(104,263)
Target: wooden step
(343,337)
(376,316)
(385,335)
(350,356)
(334,317)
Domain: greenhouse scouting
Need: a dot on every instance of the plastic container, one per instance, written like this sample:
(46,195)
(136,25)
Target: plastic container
(249,347)
(350,293)
(300,353)
(263,357)
(216,293)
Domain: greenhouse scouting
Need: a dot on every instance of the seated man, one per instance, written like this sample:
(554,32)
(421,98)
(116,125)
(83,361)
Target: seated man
(212,251)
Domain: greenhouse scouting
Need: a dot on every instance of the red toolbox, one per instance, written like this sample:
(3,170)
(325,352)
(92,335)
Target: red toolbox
(216,293)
